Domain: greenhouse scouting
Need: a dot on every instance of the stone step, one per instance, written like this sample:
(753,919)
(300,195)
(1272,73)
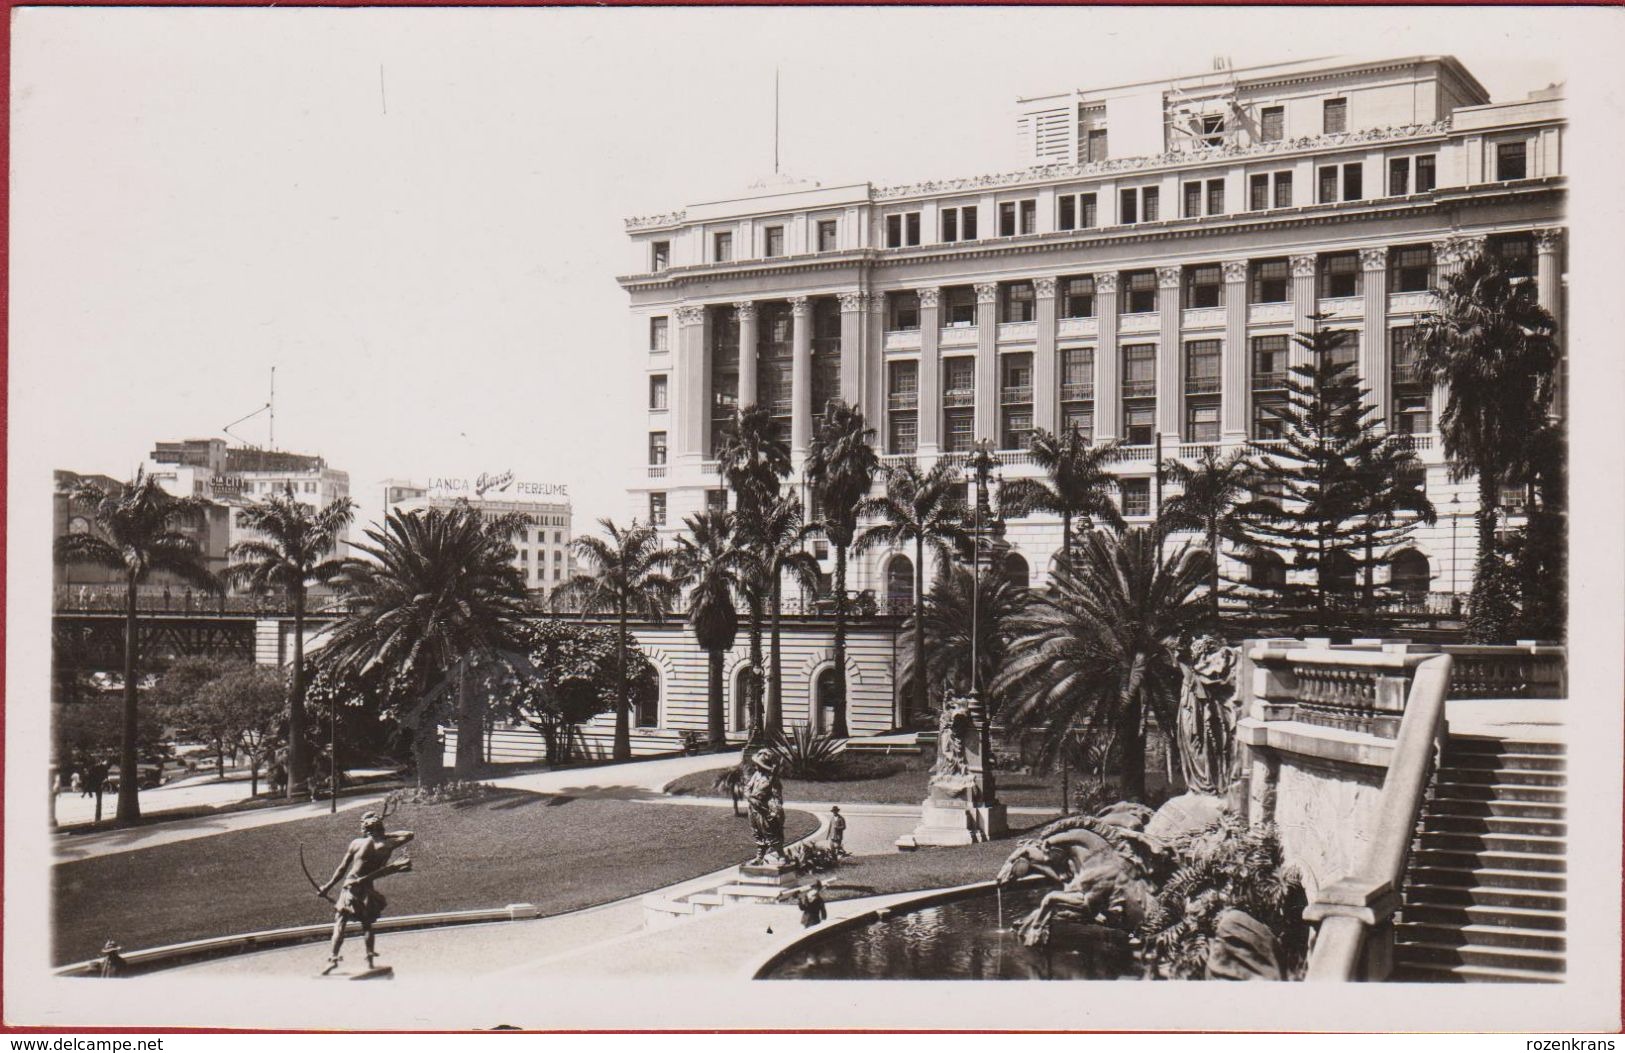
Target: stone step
(1438,972)
(1478,860)
(1523,844)
(1489,878)
(1509,917)
(1481,936)
(1502,776)
(1475,744)
(1504,761)
(1497,791)
(1491,806)
(1489,957)
(1493,824)
(749,894)
(1450,896)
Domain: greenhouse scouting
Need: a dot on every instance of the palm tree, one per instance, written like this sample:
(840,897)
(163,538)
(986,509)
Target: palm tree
(297,541)
(776,536)
(925,510)
(947,619)
(136,536)
(630,580)
(1494,346)
(1100,648)
(1078,486)
(438,590)
(708,561)
(1214,498)
(841,466)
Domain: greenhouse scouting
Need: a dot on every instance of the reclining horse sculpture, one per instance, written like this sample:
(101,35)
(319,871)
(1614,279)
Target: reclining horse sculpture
(1103,876)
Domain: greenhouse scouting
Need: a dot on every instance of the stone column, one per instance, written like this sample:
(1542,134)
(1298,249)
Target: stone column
(1046,392)
(987,360)
(1236,387)
(745,311)
(800,375)
(1108,366)
(930,374)
(1548,243)
(852,315)
(693,395)
(1374,339)
(1305,302)
(1170,389)
(874,366)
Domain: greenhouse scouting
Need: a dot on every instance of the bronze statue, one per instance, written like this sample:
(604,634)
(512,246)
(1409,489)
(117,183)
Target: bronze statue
(764,796)
(365,861)
(1102,870)
(1206,728)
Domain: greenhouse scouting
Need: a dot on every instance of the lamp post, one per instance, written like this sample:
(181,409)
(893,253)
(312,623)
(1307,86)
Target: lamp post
(982,463)
(1455,503)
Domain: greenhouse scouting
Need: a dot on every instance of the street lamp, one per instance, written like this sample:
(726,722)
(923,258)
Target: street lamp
(1455,502)
(982,462)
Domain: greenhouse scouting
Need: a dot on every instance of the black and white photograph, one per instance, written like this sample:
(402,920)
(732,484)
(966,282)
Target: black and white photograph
(788,518)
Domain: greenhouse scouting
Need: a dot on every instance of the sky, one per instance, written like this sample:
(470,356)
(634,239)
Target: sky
(416,216)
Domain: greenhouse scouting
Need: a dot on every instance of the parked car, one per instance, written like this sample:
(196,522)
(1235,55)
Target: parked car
(148,776)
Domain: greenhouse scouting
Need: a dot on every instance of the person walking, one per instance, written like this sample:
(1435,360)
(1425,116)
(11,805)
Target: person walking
(837,829)
(811,902)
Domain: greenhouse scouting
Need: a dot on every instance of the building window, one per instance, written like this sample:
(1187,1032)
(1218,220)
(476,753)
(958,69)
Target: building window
(1029,216)
(1215,197)
(1271,124)
(959,381)
(1271,281)
(1078,298)
(1007,219)
(1018,428)
(1066,212)
(657,391)
(1399,176)
(1269,363)
(1136,495)
(1340,274)
(774,242)
(1079,417)
(1095,145)
(1283,190)
(826,235)
(657,447)
(903,433)
(1139,371)
(1516,251)
(658,332)
(902,229)
(1202,368)
(1128,211)
(959,223)
(1077,374)
(1149,204)
(657,509)
(716,500)
(1353,182)
(1139,205)
(1426,174)
(902,311)
(1017,217)
(1258,193)
(959,428)
(1411,268)
(1142,292)
(1202,420)
(1511,160)
(1086,212)
(659,255)
(1413,395)
(1193,200)
(1204,286)
(1016,302)
(722,246)
(1328,185)
(1412,415)
(1334,116)
(1266,570)
(958,306)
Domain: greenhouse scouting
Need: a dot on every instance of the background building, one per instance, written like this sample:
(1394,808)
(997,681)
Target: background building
(542,547)
(1140,280)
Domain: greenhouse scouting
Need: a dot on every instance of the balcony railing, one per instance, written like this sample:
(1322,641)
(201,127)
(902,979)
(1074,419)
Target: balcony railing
(1201,385)
(780,407)
(1418,441)
(657,471)
(903,400)
(1077,392)
(1191,451)
(959,397)
(1133,453)
(1019,396)
(1139,388)
(1269,381)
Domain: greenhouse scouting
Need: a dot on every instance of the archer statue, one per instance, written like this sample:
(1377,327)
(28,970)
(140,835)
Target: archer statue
(365,861)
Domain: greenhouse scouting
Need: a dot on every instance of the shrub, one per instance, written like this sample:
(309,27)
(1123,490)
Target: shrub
(804,752)
(445,792)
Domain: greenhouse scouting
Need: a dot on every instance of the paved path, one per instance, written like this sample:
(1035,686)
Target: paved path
(206,791)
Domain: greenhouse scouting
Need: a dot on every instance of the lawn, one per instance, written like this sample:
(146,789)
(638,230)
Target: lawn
(879,779)
(923,868)
(560,853)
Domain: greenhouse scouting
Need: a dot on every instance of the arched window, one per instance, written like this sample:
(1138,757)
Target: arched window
(1016,571)
(740,710)
(1338,572)
(1266,569)
(826,693)
(1408,572)
(648,701)
(900,585)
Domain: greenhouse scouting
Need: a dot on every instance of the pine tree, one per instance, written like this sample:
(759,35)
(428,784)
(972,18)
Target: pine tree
(1338,492)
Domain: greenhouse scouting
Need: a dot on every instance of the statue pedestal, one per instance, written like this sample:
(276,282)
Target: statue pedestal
(775,874)
(758,883)
(946,823)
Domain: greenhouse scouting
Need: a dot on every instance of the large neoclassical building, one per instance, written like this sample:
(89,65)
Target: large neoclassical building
(1139,276)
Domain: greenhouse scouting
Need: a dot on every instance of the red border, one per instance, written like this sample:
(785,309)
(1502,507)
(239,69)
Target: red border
(5,433)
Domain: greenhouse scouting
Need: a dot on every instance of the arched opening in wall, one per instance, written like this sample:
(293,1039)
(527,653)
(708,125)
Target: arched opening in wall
(1265,569)
(739,708)
(646,699)
(1408,573)
(900,585)
(1339,573)
(826,692)
(1016,571)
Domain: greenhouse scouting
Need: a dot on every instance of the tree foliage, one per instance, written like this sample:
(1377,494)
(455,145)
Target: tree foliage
(710,561)
(947,618)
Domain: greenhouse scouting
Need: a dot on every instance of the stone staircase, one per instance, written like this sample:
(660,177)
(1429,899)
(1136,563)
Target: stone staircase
(1485,894)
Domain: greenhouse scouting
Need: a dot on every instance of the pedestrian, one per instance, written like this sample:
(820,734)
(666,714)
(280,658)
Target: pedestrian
(111,964)
(837,829)
(811,902)
(76,784)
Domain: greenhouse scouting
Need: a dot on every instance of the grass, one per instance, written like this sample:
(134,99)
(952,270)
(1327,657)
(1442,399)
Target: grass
(921,869)
(560,853)
(880,779)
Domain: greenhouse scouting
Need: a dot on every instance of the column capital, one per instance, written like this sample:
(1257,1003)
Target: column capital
(800,306)
(928,295)
(1374,259)
(1446,252)
(745,310)
(1549,239)
(1470,245)
(1235,270)
(852,301)
(690,314)
(1044,287)
(1304,266)
(1106,282)
(1168,277)
(987,292)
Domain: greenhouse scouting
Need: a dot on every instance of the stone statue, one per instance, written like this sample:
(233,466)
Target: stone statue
(764,797)
(365,861)
(1101,868)
(1207,717)
(951,776)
